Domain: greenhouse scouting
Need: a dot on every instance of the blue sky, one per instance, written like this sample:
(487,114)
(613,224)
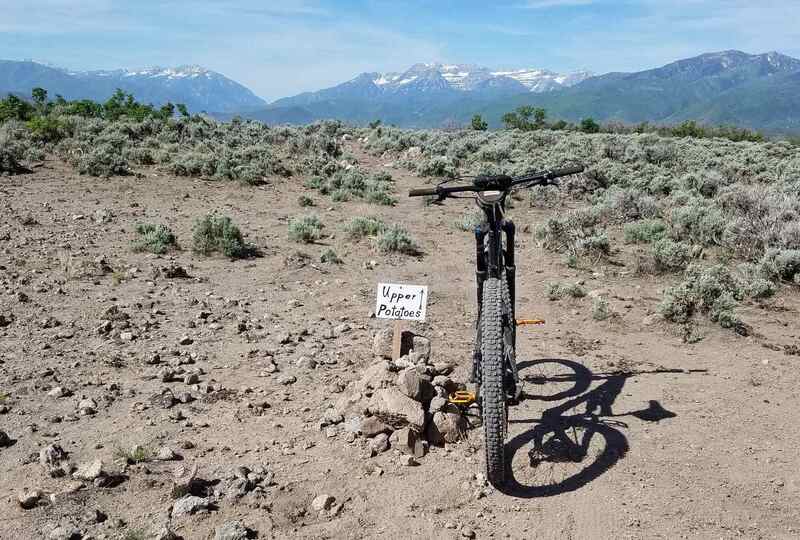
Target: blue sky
(282,48)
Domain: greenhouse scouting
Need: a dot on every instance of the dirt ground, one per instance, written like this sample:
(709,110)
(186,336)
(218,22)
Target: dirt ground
(694,440)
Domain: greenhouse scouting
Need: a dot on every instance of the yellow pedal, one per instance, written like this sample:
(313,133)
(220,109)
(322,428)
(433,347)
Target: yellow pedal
(523,322)
(462,397)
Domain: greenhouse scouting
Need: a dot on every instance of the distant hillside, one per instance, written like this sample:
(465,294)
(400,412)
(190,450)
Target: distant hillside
(424,95)
(198,88)
(757,91)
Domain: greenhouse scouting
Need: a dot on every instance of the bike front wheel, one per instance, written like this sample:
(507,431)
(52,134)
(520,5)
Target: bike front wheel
(494,329)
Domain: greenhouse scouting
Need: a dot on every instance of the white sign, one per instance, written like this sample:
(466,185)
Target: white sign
(398,301)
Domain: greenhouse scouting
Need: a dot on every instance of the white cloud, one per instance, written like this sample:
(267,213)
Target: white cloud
(285,59)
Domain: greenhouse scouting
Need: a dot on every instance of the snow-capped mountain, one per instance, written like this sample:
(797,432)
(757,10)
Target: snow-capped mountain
(467,77)
(198,88)
(760,91)
(441,83)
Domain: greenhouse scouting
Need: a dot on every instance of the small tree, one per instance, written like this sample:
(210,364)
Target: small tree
(478,123)
(167,111)
(39,96)
(521,118)
(588,125)
(14,108)
(182,110)
(539,116)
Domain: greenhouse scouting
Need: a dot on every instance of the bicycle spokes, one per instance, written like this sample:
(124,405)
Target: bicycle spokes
(560,453)
(548,380)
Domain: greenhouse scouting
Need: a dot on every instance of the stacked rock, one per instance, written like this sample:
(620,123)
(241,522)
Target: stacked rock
(403,403)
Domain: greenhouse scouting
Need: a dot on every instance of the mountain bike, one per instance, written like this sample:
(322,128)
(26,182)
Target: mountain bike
(494,369)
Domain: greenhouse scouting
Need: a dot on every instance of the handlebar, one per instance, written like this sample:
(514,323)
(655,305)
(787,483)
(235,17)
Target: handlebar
(500,182)
(422,192)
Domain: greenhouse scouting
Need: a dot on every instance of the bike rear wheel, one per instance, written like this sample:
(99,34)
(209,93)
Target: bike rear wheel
(494,328)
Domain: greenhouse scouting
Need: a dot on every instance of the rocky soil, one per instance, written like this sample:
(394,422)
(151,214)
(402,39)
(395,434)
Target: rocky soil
(178,395)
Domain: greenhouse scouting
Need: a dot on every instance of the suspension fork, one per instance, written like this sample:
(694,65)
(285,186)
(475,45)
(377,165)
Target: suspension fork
(511,270)
(507,226)
(481,264)
(481,273)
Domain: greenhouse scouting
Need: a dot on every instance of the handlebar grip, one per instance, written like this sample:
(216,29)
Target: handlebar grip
(422,192)
(566,171)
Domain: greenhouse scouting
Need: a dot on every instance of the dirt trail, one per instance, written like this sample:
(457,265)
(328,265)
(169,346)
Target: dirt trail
(709,427)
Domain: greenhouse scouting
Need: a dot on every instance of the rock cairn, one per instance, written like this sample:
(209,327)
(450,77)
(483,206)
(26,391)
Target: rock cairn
(401,404)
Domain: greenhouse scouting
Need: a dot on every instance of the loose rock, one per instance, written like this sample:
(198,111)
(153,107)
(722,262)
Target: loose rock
(29,499)
(447,425)
(89,471)
(379,444)
(190,505)
(232,530)
(382,343)
(396,409)
(51,458)
(165,453)
(58,392)
(372,425)
(411,383)
(409,442)
(65,532)
(87,407)
(322,502)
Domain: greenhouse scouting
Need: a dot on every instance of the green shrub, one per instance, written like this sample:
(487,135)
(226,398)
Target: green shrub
(698,221)
(105,160)
(9,162)
(624,205)
(469,221)
(46,129)
(597,245)
(397,239)
(706,183)
(714,291)
(214,233)
(354,183)
(361,226)
(329,257)
(478,123)
(437,166)
(783,264)
(378,193)
(304,201)
(589,125)
(156,239)
(556,291)
(315,182)
(136,454)
(646,231)
(601,310)
(305,229)
(669,255)
(575,233)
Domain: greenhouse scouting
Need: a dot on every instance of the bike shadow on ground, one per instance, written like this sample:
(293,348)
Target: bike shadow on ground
(580,409)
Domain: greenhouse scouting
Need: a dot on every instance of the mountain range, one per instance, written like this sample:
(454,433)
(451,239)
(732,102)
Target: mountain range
(198,88)
(425,95)
(758,91)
